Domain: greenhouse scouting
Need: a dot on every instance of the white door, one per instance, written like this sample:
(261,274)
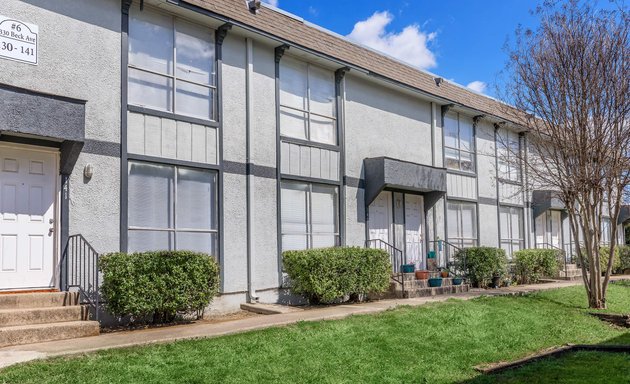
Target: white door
(414,220)
(555,229)
(28,192)
(380,217)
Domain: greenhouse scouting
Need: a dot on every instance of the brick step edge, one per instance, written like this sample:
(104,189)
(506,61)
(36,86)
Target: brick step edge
(44,315)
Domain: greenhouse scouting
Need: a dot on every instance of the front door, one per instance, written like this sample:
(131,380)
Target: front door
(28,192)
(380,217)
(549,230)
(414,219)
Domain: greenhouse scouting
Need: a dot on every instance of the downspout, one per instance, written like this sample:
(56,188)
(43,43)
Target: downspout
(252,296)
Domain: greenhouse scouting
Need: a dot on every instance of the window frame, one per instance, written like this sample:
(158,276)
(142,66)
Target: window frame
(174,78)
(456,116)
(460,240)
(307,112)
(174,230)
(510,241)
(503,149)
(309,234)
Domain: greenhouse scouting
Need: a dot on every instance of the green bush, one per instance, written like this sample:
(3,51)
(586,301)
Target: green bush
(603,259)
(160,284)
(624,258)
(481,264)
(329,274)
(532,264)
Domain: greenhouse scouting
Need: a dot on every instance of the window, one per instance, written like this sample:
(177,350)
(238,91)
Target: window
(508,150)
(171,65)
(462,224)
(309,215)
(307,102)
(172,208)
(606,231)
(512,234)
(459,142)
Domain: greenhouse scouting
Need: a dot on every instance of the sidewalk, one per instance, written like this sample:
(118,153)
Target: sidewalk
(22,353)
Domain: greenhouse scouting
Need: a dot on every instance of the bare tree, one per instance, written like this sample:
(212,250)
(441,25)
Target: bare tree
(569,81)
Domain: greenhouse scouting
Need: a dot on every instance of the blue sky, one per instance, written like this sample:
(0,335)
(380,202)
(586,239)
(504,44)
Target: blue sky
(460,40)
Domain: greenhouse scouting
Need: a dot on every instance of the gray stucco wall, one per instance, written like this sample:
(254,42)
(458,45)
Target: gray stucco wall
(79,57)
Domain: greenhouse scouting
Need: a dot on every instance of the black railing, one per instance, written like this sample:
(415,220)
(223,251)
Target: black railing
(396,257)
(79,272)
(445,256)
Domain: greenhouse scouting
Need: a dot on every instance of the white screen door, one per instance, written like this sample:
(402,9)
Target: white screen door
(380,219)
(28,192)
(414,219)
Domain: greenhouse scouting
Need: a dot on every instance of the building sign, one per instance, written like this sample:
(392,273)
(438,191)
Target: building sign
(18,40)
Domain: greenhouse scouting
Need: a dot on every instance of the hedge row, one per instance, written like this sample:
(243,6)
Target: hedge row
(532,264)
(325,275)
(160,284)
(482,264)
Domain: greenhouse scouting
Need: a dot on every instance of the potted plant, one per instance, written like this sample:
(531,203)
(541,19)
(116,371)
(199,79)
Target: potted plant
(407,268)
(457,280)
(444,273)
(435,282)
(422,274)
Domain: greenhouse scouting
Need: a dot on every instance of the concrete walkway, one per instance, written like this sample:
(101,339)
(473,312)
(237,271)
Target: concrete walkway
(22,353)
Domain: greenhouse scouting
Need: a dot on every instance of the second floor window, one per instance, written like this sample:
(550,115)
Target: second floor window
(307,102)
(459,142)
(171,65)
(508,153)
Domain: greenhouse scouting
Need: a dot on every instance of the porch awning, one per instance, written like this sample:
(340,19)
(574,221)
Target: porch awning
(386,173)
(624,214)
(543,200)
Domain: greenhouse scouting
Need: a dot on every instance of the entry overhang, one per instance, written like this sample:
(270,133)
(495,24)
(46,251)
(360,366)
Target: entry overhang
(56,119)
(543,200)
(624,214)
(386,173)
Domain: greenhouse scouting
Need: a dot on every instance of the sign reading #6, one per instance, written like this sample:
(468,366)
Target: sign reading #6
(18,40)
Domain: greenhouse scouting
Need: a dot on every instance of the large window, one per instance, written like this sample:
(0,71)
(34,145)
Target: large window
(508,150)
(462,223)
(512,233)
(459,142)
(172,208)
(171,65)
(307,102)
(309,215)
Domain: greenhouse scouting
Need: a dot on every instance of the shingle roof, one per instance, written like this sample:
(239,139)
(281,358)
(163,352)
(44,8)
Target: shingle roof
(302,34)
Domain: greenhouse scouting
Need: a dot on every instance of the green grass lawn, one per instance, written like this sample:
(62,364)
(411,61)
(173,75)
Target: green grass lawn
(575,368)
(437,343)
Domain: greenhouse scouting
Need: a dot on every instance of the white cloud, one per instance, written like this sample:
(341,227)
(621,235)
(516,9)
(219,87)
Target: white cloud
(409,45)
(313,11)
(271,2)
(477,86)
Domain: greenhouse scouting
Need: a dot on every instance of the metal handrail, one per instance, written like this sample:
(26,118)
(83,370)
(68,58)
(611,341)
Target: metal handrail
(449,261)
(397,258)
(80,271)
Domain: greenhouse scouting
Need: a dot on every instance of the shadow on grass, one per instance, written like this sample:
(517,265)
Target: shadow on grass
(572,366)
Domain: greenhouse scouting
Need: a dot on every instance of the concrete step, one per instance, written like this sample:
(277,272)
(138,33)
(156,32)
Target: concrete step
(427,292)
(27,316)
(268,309)
(38,300)
(37,333)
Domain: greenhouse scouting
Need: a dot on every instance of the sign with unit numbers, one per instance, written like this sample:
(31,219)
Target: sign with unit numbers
(18,40)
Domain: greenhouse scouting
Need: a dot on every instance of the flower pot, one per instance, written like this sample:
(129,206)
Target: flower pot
(422,275)
(435,282)
(496,281)
(407,268)
(457,281)
(444,274)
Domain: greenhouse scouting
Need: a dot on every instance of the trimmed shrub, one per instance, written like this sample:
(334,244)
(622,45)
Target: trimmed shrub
(532,264)
(328,274)
(624,258)
(603,259)
(481,264)
(160,284)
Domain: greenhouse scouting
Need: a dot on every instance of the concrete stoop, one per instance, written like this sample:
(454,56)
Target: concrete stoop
(37,317)
(570,272)
(427,292)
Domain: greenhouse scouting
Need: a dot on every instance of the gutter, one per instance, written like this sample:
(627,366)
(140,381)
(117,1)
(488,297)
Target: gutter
(252,296)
